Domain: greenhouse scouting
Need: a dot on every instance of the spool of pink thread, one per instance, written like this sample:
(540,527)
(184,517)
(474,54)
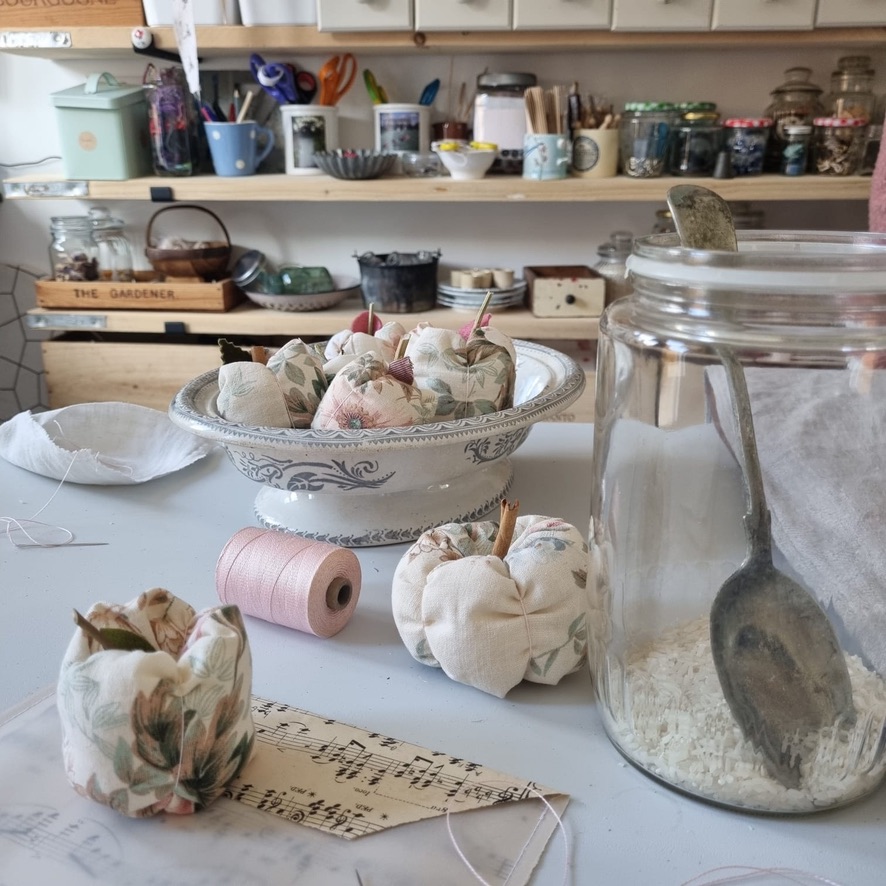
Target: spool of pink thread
(286,579)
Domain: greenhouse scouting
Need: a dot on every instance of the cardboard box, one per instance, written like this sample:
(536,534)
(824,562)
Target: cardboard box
(565,291)
(169,296)
(70,13)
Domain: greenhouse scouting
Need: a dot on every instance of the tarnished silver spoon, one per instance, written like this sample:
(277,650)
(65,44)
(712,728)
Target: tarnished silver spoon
(780,666)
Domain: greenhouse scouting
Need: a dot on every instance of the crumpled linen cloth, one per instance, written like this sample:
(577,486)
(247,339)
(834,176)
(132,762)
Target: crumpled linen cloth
(99,443)
(371,393)
(284,393)
(164,731)
(469,374)
(820,436)
(491,623)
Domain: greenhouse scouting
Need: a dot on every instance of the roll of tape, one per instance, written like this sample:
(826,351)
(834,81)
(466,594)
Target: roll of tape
(311,586)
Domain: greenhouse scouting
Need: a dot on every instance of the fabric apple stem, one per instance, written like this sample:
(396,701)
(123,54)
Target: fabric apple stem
(506,523)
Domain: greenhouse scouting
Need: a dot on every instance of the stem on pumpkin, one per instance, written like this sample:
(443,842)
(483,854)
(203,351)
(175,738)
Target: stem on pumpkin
(370,319)
(507,522)
(259,355)
(479,318)
(401,347)
(90,630)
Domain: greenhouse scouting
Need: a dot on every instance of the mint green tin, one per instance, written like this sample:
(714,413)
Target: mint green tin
(103,126)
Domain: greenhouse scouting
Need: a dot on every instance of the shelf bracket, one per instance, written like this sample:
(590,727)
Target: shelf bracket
(36,40)
(49,189)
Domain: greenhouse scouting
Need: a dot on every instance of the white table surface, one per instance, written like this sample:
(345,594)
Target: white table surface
(624,828)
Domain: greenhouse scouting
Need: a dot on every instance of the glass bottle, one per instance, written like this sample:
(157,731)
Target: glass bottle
(851,95)
(173,125)
(73,254)
(611,258)
(795,152)
(113,250)
(669,504)
(797,101)
(644,135)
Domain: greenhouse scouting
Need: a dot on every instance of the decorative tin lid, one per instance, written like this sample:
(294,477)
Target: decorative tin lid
(696,107)
(102,91)
(748,122)
(649,106)
(840,121)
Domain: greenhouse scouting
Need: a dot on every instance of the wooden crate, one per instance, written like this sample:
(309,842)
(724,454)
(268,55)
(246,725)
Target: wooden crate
(169,296)
(565,291)
(52,14)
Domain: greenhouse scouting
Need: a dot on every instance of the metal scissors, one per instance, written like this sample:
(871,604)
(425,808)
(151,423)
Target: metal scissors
(374,88)
(336,77)
(275,79)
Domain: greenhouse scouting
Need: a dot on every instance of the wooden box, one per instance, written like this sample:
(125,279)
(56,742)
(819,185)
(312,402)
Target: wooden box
(47,14)
(169,296)
(565,291)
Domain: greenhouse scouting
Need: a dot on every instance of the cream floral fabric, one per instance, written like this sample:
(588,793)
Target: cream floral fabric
(163,731)
(344,346)
(488,622)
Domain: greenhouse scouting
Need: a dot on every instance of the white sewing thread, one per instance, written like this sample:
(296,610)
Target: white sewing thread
(749,872)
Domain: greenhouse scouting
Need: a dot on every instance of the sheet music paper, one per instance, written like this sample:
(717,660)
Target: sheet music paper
(50,834)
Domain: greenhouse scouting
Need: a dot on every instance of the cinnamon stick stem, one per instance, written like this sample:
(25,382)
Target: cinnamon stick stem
(506,524)
(89,629)
(259,355)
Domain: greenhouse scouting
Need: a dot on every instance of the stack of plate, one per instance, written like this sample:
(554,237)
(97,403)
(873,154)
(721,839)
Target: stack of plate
(472,299)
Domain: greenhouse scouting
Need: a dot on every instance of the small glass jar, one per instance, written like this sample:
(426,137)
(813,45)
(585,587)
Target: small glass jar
(255,272)
(804,315)
(73,253)
(696,141)
(173,125)
(795,149)
(746,139)
(611,259)
(872,140)
(794,102)
(851,95)
(644,135)
(113,249)
(837,145)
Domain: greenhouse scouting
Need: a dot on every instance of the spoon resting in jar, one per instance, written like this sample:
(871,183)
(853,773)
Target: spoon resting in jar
(780,666)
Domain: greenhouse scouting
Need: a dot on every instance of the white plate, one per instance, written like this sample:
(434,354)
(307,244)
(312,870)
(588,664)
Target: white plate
(519,286)
(318,301)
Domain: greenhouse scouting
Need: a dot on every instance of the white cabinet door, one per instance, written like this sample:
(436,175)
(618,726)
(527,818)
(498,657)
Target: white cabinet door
(661,15)
(834,13)
(364,15)
(763,15)
(531,14)
(462,15)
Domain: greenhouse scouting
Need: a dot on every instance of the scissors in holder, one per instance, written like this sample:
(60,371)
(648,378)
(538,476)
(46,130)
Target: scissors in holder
(336,77)
(275,79)
(429,93)
(376,91)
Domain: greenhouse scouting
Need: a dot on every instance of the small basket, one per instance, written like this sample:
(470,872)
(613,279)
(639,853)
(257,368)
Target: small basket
(207,262)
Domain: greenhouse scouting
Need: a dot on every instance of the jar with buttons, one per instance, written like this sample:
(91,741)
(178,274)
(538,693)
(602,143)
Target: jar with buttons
(73,254)
(644,136)
(851,95)
(795,102)
(696,140)
(746,139)
(838,143)
(795,152)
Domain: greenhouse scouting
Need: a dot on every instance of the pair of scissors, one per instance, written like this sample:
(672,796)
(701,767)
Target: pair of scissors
(429,93)
(336,77)
(374,88)
(276,79)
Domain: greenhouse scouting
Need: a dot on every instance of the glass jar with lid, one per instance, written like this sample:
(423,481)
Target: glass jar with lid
(113,250)
(696,140)
(644,136)
(837,145)
(851,95)
(500,116)
(611,264)
(803,317)
(795,153)
(797,101)
(73,253)
(746,140)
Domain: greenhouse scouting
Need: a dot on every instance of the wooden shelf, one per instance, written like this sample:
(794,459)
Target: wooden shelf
(492,189)
(249,319)
(224,41)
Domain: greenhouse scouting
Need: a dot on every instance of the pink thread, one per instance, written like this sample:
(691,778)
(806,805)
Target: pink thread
(307,585)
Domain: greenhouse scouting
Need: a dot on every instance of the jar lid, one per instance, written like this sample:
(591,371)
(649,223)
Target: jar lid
(700,116)
(748,122)
(797,129)
(797,81)
(70,221)
(840,121)
(497,81)
(101,219)
(247,267)
(854,64)
(650,106)
(697,106)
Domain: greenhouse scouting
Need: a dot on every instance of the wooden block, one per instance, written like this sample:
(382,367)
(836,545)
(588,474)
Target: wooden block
(31,14)
(565,291)
(171,295)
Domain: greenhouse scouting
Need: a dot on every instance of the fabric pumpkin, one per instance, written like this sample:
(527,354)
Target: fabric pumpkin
(348,344)
(164,731)
(490,622)
(299,373)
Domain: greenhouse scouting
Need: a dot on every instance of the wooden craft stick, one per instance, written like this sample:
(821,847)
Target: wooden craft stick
(244,110)
(507,522)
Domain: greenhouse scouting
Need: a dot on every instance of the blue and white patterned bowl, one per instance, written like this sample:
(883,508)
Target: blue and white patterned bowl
(384,485)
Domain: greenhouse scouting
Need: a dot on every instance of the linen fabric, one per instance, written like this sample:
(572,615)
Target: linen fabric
(163,731)
(346,345)
(490,622)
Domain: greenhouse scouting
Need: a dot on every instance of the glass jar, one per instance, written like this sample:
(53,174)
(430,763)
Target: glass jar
(173,126)
(255,272)
(113,250)
(794,102)
(644,135)
(611,259)
(664,222)
(500,117)
(695,143)
(746,139)
(804,314)
(837,145)
(795,149)
(746,217)
(73,254)
(851,94)
(873,137)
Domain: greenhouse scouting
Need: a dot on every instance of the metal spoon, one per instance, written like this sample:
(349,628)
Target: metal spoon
(780,666)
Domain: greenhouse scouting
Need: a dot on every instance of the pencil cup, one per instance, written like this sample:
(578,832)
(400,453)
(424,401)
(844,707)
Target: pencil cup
(545,156)
(402,127)
(595,153)
(234,146)
(307,130)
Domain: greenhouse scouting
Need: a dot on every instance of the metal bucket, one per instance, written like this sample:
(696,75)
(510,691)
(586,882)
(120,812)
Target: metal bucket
(399,282)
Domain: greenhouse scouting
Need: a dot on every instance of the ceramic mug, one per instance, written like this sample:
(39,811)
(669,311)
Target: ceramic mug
(308,130)
(545,156)
(234,146)
(595,153)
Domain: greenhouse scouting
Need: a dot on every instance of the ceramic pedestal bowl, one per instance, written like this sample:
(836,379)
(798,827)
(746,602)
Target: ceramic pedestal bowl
(379,486)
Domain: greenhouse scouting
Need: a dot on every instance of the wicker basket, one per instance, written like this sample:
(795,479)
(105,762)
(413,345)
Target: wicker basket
(208,262)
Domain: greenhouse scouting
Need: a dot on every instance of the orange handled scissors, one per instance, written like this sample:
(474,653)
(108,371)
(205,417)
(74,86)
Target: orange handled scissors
(336,77)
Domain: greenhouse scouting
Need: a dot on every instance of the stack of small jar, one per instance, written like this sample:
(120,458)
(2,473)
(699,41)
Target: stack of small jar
(89,247)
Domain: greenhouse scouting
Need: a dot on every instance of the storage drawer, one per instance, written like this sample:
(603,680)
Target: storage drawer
(654,15)
(278,12)
(159,13)
(532,15)
(359,15)
(762,15)
(462,15)
(836,13)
